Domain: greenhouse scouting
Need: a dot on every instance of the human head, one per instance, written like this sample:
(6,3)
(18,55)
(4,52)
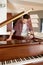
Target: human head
(25,18)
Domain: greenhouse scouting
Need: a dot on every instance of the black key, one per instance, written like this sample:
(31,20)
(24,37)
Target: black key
(41,54)
(27,58)
(18,59)
(32,57)
(7,62)
(23,59)
(35,56)
(14,60)
(3,63)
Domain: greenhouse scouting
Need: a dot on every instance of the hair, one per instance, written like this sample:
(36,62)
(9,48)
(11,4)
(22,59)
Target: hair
(26,16)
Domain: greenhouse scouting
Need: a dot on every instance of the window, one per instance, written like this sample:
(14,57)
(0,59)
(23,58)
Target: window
(41,29)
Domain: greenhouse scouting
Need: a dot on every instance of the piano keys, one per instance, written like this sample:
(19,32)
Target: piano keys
(23,61)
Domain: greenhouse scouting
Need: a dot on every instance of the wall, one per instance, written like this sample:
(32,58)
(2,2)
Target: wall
(16,6)
(9,26)
(35,18)
(3,16)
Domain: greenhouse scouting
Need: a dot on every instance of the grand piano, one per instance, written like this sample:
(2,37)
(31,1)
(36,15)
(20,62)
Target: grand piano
(20,51)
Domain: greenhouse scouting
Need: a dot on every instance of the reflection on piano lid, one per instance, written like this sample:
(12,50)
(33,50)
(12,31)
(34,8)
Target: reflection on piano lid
(22,61)
(15,42)
(3,42)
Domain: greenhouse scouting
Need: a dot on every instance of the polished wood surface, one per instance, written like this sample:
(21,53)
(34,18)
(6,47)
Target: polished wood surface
(12,51)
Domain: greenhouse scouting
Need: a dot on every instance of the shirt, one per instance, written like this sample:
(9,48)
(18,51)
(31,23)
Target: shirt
(24,30)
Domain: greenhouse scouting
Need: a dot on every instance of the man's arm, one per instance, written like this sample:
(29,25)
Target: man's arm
(10,37)
(30,32)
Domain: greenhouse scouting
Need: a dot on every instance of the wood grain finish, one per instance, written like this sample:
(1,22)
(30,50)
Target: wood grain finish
(8,52)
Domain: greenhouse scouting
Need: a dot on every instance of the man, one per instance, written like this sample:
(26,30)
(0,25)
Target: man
(22,27)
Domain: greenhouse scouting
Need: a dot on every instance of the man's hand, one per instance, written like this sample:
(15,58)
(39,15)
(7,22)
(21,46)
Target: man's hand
(9,39)
(31,36)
